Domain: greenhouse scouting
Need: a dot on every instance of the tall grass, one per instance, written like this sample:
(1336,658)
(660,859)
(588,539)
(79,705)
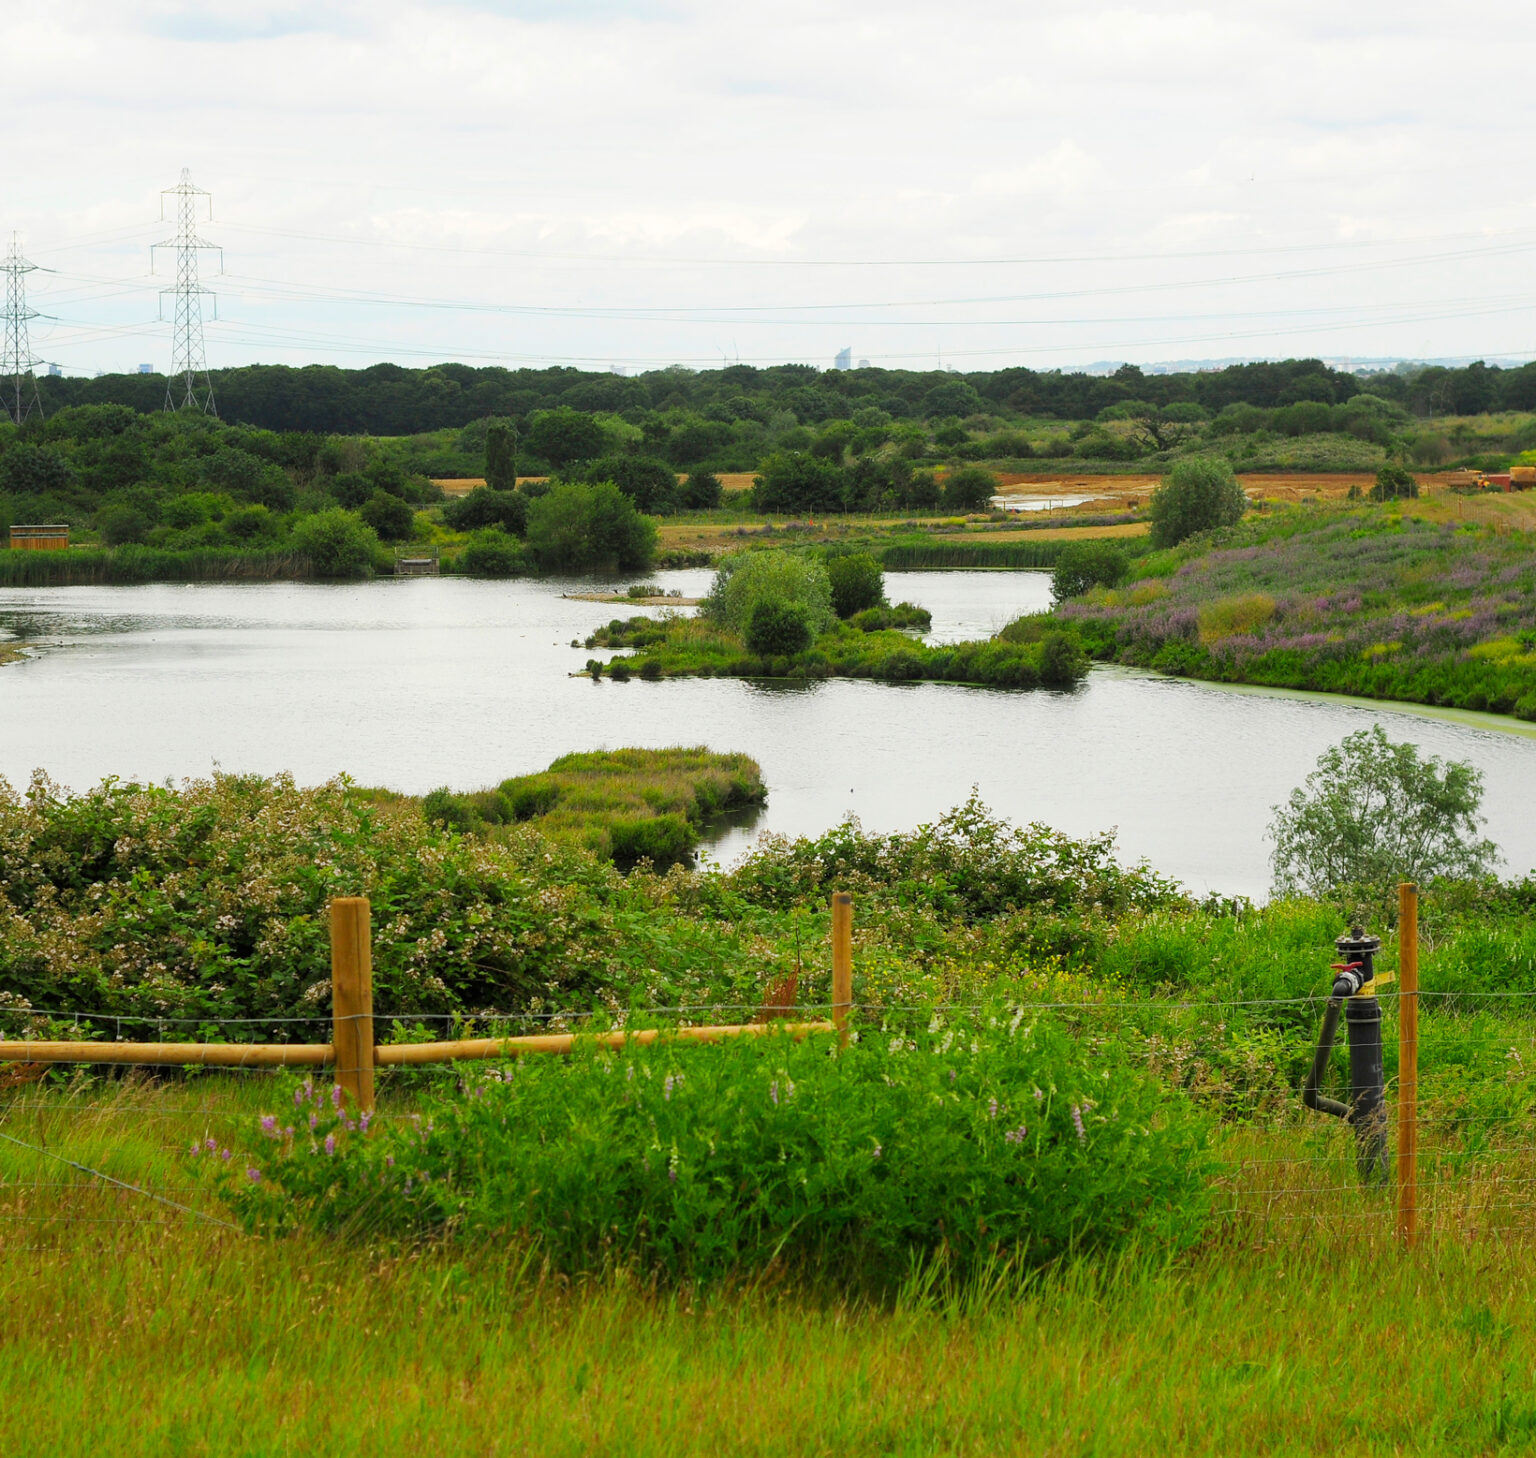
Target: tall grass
(127,565)
(1295,1337)
(928,555)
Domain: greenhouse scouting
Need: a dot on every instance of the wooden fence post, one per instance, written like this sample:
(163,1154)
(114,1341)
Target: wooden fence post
(842,962)
(352,998)
(1408,1064)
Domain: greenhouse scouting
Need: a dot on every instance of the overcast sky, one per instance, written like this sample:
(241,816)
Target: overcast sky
(608,184)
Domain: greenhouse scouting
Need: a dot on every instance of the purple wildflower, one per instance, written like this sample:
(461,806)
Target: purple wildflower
(314,1119)
(1077,1123)
(298,1096)
(991,1108)
(253,1174)
(269,1125)
(224,1154)
(1015,1136)
(196,1147)
(335,1095)
(672,1174)
(877,1151)
(210,1145)
(389,1159)
(330,1144)
(773,1092)
(364,1118)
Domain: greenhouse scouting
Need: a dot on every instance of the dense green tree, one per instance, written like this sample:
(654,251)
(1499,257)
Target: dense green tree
(745,579)
(582,528)
(564,436)
(491,553)
(1373,813)
(29,470)
(1394,483)
(500,458)
(794,482)
(777,629)
(857,581)
(484,507)
(389,516)
(651,484)
(1083,566)
(970,488)
(121,523)
(700,492)
(1197,495)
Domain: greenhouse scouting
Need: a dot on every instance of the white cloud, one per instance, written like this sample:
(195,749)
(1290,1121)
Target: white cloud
(608,157)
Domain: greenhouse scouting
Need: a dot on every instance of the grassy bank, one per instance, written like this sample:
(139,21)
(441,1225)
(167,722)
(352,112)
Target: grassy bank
(148,905)
(1410,601)
(1030,656)
(242,1346)
(621,805)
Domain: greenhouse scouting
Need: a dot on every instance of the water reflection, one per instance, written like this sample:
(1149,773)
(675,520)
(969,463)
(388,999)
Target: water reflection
(436,681)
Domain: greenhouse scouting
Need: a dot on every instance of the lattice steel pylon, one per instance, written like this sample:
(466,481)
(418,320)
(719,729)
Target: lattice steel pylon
(189,367)
(18,385)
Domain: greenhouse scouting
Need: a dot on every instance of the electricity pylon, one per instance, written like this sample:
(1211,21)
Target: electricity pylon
(189,368)
(18,385)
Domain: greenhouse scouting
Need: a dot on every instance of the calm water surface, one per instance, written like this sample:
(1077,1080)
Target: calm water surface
(440,681)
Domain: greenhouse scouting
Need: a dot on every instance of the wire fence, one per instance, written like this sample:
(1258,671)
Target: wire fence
(1450,1148)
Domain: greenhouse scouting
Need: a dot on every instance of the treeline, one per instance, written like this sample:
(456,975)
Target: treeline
(388,399)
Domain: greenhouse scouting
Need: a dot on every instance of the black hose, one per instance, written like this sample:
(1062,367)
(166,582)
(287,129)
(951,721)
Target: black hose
(1325,1038)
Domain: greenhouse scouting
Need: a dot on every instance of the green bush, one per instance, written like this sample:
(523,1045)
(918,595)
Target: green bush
(1198,495)
(857,581)
(452,812)
(1086,565)
(969,489)
(664,840)
(777,628)
(745,579)
(982,1137)
(1394,483)
(701,491)
(580,528)
(491,553)
(389,516)
(485,507)
(337,543)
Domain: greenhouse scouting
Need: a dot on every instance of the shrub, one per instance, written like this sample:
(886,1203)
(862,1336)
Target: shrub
(1394,483)
(664,840)
(988,1136)
(857,581)
(485,507)
(1062,662)
(1086,565)
(389,516)
(792,481)
(1198,495)
(452,812)
(701,491)
(777,628)
(337,543)
(500,457)
(969,489)
(492,554)
(787,578)
(121,524)
(580,528)
(649,483)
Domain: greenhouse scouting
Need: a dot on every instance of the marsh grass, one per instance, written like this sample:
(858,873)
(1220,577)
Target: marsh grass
(1281,1335)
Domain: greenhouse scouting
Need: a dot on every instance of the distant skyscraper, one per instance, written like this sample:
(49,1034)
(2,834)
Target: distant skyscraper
(863,364)
(55,370)
(146,369)
(844,360)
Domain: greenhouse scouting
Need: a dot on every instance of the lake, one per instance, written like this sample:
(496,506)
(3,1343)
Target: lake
(430,681)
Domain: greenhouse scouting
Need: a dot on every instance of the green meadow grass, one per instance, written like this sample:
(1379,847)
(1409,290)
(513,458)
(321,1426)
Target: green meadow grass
(1305,1330)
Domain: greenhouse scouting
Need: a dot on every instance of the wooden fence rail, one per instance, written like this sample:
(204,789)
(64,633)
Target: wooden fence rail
(353,1053)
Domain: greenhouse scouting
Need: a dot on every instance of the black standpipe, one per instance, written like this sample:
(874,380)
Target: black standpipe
(1354,994)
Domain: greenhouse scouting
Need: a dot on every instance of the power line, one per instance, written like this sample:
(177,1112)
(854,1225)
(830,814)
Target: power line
(18,361)
(187,357)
